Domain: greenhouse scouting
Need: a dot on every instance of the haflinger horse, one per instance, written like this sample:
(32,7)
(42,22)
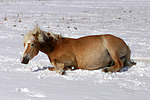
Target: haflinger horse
(106,52)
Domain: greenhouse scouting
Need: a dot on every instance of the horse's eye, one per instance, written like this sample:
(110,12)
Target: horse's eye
(32,45)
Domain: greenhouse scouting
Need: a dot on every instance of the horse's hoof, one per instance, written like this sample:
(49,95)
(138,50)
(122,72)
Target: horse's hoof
(111,70)
(51,68)
(105,70)
(61,72)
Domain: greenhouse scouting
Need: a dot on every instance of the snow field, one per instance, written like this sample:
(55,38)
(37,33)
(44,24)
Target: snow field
(129,20)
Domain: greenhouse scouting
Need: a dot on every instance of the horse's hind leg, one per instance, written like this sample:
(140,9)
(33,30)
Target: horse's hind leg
(118,63)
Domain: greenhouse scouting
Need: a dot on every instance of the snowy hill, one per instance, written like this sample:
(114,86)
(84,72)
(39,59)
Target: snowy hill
(127,19)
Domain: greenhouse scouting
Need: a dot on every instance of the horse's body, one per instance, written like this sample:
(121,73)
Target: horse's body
(89,53)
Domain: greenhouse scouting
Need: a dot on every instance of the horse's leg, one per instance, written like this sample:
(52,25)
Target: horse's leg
(118,64)
(58,67)
(54,68)
(62,63)
(61,67)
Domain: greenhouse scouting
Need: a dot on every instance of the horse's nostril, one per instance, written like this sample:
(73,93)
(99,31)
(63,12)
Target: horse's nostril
(25,60)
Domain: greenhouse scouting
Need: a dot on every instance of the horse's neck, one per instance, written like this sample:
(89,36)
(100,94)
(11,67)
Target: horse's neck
(47,46)
(50,46)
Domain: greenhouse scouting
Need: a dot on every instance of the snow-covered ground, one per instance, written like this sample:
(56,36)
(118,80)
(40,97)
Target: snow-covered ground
(128,19)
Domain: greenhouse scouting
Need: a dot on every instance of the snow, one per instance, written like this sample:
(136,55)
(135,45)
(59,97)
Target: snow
(128,19)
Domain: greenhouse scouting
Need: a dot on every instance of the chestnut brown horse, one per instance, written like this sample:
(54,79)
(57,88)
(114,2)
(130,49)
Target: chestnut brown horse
(89,53)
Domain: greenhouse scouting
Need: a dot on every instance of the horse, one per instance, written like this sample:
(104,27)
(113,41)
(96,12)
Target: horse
(106,52)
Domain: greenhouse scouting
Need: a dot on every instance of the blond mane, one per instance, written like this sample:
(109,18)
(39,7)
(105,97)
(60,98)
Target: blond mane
(42,35)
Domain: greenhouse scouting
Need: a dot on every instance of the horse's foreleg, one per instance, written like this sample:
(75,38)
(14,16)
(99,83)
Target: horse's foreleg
(61,67)
(54,68)
(58,67)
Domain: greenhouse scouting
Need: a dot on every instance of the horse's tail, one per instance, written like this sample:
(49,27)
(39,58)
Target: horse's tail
(128,61)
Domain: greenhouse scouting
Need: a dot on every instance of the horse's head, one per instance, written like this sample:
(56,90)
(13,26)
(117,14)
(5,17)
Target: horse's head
(31,45)
(31,49)
(33,42)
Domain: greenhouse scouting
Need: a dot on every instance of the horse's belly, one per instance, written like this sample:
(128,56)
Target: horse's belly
(98,63)
(95,60)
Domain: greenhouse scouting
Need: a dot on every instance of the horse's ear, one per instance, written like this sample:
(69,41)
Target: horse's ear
(36,34)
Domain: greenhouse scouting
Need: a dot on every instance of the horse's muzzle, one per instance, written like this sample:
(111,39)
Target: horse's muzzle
(24,60)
